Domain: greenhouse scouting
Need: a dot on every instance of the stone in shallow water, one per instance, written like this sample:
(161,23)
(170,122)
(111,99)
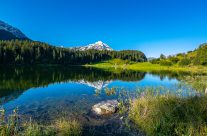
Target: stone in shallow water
(105,107)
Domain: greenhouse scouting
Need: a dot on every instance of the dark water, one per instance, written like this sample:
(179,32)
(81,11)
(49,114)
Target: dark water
(46,93)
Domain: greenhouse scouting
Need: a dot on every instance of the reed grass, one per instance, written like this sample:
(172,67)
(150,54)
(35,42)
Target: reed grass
(12,125)
(163,115)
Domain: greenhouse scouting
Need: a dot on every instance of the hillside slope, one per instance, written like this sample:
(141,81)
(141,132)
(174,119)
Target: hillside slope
(8,32)
(195,57)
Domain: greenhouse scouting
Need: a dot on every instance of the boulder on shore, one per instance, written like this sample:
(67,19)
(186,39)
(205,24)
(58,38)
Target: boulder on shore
(105,107)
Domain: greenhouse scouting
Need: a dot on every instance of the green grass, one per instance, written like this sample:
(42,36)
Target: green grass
(13,125)
(146,66)
(68,128)
(164,115)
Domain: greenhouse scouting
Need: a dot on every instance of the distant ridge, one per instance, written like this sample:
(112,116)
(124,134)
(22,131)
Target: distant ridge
(8,32)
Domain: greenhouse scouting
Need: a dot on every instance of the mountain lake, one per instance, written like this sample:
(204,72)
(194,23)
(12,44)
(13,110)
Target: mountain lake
(46,93)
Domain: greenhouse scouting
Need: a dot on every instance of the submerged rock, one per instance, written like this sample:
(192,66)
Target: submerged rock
(105,107)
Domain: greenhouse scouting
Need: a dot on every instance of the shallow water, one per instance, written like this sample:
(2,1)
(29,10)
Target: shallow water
(46,93)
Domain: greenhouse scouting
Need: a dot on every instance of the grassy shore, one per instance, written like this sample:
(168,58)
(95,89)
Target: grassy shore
(170,115)
(147,66)
(14,125)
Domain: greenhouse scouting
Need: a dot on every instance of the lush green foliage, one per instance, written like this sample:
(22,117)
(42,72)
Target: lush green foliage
(184,61)
(170,115)
(162,56)
(174,59)
(196,57)
(28,52)
(201,55)
(147,66)
(165,63)
(155,61)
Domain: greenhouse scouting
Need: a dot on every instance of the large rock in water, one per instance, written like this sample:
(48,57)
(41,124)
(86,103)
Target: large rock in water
(105,107)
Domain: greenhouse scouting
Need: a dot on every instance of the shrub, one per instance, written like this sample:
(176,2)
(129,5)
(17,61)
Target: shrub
(201,55)
(155,61)
(162,56)
(174,60)
(165,63)
(184,62)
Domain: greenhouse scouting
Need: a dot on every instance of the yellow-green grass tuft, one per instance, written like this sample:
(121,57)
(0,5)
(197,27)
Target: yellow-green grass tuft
(68,127)
(170,115)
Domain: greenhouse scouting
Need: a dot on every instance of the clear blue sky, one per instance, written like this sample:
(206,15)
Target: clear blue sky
(152,26)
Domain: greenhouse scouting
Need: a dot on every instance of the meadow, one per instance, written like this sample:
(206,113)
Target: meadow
(147,66)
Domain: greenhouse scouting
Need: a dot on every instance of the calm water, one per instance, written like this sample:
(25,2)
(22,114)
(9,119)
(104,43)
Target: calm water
(44,93)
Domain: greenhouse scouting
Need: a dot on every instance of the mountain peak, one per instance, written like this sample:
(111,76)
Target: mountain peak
(99,45)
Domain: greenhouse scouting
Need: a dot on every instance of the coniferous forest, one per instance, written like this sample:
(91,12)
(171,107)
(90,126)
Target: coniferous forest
(31,52)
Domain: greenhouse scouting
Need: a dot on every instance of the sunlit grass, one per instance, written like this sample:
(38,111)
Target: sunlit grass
(170,115)
(68,128)
(146,66)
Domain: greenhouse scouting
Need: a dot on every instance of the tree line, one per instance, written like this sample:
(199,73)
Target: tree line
(32,52)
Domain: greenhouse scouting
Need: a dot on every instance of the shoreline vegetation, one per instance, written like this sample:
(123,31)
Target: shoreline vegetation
(170,114)
(138,66)
(146,67)
(15,125)
(195,76)
(192,61)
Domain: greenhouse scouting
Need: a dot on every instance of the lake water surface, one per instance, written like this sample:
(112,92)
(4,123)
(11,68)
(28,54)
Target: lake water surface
(45,93)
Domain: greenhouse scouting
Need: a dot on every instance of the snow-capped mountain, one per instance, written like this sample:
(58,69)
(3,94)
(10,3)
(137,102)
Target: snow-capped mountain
(8,32)
(96,46)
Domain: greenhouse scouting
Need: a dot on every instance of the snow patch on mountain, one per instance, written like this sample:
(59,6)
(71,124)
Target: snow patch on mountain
(95,46)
